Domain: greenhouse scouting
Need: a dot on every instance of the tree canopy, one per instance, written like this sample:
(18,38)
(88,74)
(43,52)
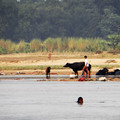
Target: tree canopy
(29,19)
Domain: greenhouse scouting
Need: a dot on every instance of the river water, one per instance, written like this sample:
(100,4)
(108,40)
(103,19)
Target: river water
(53,100)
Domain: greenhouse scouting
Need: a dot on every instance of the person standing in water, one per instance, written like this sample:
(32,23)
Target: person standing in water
(86,66)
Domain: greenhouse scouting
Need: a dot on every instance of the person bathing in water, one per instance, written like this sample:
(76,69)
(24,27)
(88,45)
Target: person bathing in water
(80,100)
(86,66)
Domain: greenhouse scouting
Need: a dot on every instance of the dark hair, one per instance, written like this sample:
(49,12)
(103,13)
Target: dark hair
(85,56)
(80,98)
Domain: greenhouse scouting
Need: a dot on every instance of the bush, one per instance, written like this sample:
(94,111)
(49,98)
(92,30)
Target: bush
(2,50)
(35,45)
(23,47)
(65,44)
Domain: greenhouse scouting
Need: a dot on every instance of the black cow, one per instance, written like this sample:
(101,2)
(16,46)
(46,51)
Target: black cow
(117,72)
(76,66)
(110,73)
(104,71)
(114,72)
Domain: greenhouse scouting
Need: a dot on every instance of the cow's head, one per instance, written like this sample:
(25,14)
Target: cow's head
(105,70)
(116,70)
(67,65)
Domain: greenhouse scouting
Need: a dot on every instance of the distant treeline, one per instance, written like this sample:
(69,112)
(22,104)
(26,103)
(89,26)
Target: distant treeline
(55,45)
(29,19)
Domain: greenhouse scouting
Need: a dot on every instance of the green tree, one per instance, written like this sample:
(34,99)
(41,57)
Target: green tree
(42,19)
(114,41)
(110,23)
(8,19)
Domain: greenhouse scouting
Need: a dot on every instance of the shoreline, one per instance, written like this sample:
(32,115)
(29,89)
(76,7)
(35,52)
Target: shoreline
(55,72)
(36,63)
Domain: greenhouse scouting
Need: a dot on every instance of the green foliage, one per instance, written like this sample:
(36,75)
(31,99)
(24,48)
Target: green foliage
(53,44)
(110,23)
(23,47)
(118,47)
(69,44)
(7,46)
(114,40)
(42,19)
(8,19)
(75,44)
(2,51)
(36,45)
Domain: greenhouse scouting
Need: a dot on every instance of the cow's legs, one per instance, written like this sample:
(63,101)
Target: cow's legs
(76,73)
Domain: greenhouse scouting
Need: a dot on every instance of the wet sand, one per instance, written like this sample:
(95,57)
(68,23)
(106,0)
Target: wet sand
(56,72)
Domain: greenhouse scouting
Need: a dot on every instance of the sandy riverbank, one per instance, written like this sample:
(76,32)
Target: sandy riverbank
(38,59)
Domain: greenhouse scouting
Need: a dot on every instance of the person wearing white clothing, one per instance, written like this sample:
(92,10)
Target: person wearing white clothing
(86,62)
(86,66)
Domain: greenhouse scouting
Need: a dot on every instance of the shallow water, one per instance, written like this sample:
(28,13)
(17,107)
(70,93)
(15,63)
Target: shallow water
(49,100)
(42,77)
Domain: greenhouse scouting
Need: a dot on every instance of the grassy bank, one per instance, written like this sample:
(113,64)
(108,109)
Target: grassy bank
(43,67)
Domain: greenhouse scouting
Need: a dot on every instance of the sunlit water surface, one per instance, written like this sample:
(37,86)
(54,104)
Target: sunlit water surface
(49,100)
